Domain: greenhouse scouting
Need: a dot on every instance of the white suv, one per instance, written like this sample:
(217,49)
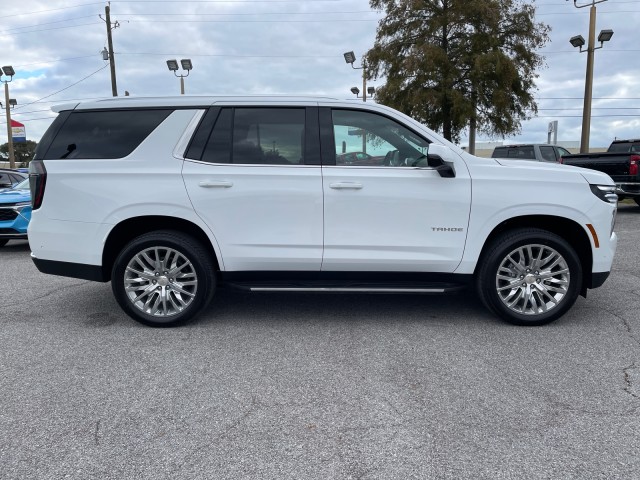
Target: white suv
(170,197)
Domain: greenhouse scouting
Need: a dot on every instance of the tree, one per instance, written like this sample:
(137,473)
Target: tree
(452,63)
(23,152)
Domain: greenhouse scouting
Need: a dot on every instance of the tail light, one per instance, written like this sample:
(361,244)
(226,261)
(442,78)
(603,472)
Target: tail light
(633,164)
(37,182)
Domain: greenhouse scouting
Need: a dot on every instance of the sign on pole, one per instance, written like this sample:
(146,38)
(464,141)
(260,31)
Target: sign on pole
(18,132)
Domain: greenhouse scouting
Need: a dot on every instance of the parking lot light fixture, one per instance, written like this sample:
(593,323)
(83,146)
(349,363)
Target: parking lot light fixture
(578,41)
(186,66)
(355,91)
(350,58)
(8,71)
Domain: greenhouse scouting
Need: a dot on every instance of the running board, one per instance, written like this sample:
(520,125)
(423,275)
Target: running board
(431,288)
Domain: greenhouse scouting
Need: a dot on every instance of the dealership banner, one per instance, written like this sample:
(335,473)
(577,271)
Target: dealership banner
(18,132)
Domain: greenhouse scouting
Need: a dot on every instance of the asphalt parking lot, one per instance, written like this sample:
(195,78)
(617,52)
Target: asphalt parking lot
(300,386)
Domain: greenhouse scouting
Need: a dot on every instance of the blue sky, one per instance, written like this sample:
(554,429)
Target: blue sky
(286,47)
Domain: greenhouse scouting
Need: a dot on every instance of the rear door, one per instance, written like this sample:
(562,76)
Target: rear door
(253,175)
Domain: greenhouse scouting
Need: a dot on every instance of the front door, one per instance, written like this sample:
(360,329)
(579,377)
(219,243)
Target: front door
(392,211)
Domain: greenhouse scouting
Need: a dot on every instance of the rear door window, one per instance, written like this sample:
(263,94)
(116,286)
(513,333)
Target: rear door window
(263,136)
(104,134)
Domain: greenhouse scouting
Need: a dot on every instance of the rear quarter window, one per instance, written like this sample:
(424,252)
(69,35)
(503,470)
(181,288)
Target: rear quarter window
(103,134)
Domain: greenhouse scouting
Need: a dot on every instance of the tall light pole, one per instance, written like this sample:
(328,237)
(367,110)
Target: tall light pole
(350,57)
(9,72)
(186,65)
(578,42)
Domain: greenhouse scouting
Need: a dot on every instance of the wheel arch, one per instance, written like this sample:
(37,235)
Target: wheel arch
(569,230)
(131,228)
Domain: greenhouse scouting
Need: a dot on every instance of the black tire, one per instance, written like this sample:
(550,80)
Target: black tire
(637,200)
(170,280)
(541,277)
(3,242)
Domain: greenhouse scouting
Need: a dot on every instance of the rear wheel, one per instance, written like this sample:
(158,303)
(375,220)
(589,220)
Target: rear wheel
(3,242)
(163,278)
(529,277)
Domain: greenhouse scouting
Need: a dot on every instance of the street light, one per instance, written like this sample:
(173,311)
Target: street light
(355,91)
(350,57)
(578,41)
(186,65)
(8,71)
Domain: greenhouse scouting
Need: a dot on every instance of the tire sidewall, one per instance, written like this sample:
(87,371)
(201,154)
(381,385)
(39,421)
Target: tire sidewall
(188,247)
(505,245)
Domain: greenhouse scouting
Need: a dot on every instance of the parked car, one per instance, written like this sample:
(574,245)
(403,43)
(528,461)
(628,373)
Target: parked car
(358,158)
(15,212)
(172,197)
(621,161)
(531,151)
(9,178)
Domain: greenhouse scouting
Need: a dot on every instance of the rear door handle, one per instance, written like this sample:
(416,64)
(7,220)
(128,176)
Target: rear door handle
(215,184)
(346,185)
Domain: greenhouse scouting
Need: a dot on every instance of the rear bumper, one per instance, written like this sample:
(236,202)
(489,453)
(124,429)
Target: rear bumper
(68,269)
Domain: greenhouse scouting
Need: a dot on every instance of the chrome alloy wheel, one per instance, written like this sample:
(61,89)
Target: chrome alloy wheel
(532,279)
(160,281)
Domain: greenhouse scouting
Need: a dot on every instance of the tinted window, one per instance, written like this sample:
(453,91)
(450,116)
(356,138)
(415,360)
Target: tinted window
(268,136)
(368,139)
(5,180)
(218,148)
(548,154)
(522,153)
(104,134)
(625,147)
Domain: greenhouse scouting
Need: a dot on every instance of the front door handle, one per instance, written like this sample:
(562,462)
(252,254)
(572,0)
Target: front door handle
(346,185)
(215,184)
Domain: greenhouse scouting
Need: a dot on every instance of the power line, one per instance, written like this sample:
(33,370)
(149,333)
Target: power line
(5,34)
(51,10)
(50,23)
(65,88)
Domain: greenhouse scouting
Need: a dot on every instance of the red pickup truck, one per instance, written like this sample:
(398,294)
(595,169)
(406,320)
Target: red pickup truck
(621,162)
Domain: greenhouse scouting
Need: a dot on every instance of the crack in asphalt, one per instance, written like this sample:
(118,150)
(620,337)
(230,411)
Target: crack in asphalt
(627,380)
(625,371)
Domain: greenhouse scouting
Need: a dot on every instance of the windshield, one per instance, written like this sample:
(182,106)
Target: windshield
(23,185)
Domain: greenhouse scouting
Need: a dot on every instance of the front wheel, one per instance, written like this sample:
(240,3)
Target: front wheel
(163,278)
(529,277)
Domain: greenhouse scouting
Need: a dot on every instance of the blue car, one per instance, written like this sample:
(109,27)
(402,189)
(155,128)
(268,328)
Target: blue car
(15,212)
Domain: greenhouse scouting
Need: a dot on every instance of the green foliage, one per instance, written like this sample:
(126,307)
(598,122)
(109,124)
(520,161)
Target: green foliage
(23,152)
(448,61)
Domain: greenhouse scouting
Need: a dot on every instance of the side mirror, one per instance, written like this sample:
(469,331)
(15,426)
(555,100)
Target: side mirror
(446,171)
(437,157)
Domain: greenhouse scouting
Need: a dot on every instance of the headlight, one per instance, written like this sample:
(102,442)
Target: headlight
(606,193)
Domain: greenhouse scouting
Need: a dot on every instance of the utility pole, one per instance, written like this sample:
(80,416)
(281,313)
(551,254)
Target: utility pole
(7,105)
(112,60)
(578,41)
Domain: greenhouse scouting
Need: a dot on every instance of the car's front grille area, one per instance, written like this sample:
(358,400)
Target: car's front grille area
(7,214)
